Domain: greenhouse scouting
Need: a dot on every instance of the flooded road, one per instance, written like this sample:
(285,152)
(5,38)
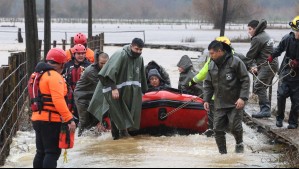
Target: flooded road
(93,151)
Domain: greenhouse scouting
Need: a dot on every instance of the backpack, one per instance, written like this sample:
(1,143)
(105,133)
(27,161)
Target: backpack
(37,99)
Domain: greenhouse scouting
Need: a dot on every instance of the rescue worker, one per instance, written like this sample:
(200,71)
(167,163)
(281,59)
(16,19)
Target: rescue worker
(154,65)
(187,72)
(261,48)
(156,82)
(73,70)
(47,122)
(85,88)
(80,38)
(122,81)
(203,73)
(289,72)
(228,81)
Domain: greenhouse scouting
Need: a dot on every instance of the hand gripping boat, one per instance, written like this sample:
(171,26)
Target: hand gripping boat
(171,109)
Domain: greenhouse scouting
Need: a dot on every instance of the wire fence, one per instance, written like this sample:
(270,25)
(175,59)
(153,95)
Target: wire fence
(13,99)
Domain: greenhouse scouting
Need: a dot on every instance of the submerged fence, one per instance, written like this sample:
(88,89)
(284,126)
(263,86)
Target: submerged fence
(13,96)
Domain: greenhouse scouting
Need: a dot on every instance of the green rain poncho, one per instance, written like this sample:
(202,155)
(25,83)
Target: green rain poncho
(128,75)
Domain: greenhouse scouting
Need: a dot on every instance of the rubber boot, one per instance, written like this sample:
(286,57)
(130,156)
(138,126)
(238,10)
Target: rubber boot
(221,141)
(239,148)
(80,131)
(265,111)
(114,131)
(124,134)
(209,132)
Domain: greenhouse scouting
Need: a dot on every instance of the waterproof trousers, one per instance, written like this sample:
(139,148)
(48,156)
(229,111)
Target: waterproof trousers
(47,140)
(288,88)
(265,75)
(227,119)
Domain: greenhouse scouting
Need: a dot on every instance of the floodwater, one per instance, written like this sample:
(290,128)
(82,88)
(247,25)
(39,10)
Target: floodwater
(189,151)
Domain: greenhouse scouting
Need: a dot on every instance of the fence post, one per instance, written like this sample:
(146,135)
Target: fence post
(90,42)
(4,115)
(63,44)
(72,42)
(13,62)
(40,48)
(54,44)
(20,38)
(102,40)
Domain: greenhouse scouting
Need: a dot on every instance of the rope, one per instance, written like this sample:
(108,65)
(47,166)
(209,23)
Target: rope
(275,75)
(181,106)
(65,160)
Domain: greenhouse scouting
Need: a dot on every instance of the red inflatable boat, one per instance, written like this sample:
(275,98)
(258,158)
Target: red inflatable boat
(171,109)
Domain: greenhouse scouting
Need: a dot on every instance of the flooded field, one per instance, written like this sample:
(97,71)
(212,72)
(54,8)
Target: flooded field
(190,151)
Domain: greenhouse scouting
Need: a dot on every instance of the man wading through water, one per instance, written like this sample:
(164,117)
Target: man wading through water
(122,81)
(229,81)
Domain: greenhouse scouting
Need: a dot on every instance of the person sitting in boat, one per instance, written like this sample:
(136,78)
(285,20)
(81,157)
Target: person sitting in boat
(154,65)
(187,72)
(155,81)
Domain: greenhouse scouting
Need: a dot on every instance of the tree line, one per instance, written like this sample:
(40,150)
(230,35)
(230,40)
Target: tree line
(211,10)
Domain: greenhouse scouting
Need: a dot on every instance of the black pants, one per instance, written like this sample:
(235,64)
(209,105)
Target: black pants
(288,89)
(211,116)
(47,140)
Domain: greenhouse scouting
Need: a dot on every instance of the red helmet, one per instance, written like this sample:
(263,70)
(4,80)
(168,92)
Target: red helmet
(57,55)
(79,49)
(80,38)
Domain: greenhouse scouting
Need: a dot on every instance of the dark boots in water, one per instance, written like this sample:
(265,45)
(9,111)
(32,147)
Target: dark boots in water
(265,111)
(114,131)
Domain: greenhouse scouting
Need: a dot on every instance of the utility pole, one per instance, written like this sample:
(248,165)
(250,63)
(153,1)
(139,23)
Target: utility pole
(222,29)
(32,49)
(89,20)
(47,27)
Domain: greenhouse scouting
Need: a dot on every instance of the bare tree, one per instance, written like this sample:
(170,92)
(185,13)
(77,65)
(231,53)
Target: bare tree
(5,8)
(211,10)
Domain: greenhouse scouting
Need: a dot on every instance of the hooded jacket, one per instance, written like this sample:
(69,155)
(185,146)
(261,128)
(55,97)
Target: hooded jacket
(154,65)
(124,72)
(261,46)
(163,85)
(186,76)
(290,45)
(228,80)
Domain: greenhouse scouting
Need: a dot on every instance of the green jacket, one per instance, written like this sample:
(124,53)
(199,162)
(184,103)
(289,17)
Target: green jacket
(126,73)
(228,81)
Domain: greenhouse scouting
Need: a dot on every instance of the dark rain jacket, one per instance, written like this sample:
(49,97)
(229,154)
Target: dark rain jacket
(154,65)
(87,84)
(187,76)
(127,74)
(290,45)
(261,46)
(228,80)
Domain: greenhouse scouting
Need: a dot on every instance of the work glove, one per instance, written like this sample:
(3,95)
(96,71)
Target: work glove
(192,83)
(294,64)
(270,59)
